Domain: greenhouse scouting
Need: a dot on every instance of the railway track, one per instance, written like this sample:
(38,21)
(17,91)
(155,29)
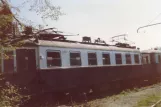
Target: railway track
(157,104)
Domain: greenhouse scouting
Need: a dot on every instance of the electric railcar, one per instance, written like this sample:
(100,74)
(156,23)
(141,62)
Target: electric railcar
(67,66)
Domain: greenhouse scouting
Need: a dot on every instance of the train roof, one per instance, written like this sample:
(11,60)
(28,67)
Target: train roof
(151,51)
(78,45)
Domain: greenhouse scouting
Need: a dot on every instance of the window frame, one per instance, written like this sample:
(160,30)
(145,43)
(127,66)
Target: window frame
(127,58)
(70,57)
(109,59)
(92,58)
(59,58)
(120,58)
(135,59)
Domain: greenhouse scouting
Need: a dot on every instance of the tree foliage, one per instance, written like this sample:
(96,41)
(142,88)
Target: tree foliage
(6,18)
(9,94)
(43,8)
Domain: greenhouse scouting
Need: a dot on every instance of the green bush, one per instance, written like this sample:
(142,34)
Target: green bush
(11,97)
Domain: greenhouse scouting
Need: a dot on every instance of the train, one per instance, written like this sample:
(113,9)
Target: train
(66,66)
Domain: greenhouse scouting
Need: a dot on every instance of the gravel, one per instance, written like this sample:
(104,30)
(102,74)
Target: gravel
(124,99)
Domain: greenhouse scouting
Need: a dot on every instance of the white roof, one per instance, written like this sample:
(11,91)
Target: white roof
(151,51)
(82,46)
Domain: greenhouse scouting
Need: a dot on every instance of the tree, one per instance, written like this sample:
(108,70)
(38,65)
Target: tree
(5,18)
(45,8)
(9,21)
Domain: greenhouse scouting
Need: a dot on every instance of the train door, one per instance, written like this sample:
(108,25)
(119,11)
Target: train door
(8,61)
(26,60)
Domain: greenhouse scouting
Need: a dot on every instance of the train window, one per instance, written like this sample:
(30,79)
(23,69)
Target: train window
(53,59)
(128,58)
(75,59)
(118,58)
(106,58)
(92,59)
(152,58)
(144,60)
(136,57)
(147,59)
(159,58)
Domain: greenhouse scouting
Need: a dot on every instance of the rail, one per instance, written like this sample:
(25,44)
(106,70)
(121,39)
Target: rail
(155,105)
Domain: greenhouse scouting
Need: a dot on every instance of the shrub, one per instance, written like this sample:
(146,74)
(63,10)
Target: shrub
(10,96)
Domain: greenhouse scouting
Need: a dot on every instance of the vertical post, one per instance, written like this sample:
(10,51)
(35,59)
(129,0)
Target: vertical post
(37,58)
(123,58)
(133,59)
(14,59)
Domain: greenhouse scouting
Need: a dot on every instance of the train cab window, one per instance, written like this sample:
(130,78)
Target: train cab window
(118,58)
(128,58)
(53,59)
(92,59)
(136,58)
(75,59)
(106,58)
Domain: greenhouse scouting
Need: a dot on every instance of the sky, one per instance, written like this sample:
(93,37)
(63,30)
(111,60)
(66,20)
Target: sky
(105,19)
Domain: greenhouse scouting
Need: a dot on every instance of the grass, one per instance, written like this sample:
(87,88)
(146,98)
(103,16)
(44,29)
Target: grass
(99,102)
(149,100)
(126,92)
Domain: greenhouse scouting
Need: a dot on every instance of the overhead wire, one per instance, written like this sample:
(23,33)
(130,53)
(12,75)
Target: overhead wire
(150,23)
